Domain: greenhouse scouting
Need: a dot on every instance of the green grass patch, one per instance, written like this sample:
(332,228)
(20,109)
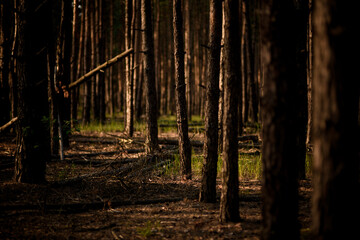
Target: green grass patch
(249,166)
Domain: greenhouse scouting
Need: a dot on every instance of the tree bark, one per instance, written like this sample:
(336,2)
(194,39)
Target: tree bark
(32,151)
(129,109)
(280,168)
(87,64)
(229,202)
(181,110)
(149,65)
(336,108)
(5,55)
(188,56)
(302,14)
(209,172)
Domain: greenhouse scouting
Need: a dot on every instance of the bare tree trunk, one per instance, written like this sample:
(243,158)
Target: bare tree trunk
(336,108)
(149,64)
(181,113)
(129,109)
(32,151)
(188,56)
(5,54)
(209,172)
(302,14)
(229,203)
(280,168)
(77,38)
(221,82)
(87,64)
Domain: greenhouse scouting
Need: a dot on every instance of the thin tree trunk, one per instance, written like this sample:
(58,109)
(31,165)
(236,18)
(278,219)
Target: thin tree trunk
(129,109)
(336,127)
(181,113)
(32,151)
(229,203)
(102,50)
(221,82)
(209,172)
(77,38)
(152,145)
(280,172)
(87,64)
(188,56)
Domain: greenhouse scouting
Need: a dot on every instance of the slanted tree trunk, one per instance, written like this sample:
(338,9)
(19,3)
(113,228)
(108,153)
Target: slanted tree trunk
(32,150)
(209,172)
(336,127)
(229,202)
(150,88)
(181,112)
(280,172)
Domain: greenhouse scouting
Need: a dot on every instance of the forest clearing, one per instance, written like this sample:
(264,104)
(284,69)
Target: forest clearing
(131,203)
(179,119)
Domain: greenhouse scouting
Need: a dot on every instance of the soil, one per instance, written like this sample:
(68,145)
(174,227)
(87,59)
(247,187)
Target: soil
(120,195)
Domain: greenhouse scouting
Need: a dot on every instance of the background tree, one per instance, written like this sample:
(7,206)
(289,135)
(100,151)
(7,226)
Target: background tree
(209,172)
(32,149)
(336,108)
(280,172)
(6,13)
(181,112)
(229,203)
(129,109)
(149,65)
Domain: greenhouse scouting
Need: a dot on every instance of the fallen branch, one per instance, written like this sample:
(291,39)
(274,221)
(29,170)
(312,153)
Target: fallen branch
(8,124)
(100,68)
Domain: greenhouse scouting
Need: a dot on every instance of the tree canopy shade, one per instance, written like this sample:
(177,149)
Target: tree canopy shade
(336,123)
(32,151)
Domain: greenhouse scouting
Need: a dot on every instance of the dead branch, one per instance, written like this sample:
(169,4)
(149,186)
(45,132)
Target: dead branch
(8,124)
(101,67)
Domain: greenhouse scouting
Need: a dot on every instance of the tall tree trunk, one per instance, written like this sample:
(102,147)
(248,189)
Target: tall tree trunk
(280,173)
(5,54)
(221,82)
(152,144)
(77,37)
(32,151)
(302,14)
(188,56)
(229,203)
(251,43)
(181,113)
(102,50)
(87,64)
(209,172)
(63,69)
(129,109)
(336,108)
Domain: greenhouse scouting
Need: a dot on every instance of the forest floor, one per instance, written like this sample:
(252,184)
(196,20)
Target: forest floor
(106,188)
